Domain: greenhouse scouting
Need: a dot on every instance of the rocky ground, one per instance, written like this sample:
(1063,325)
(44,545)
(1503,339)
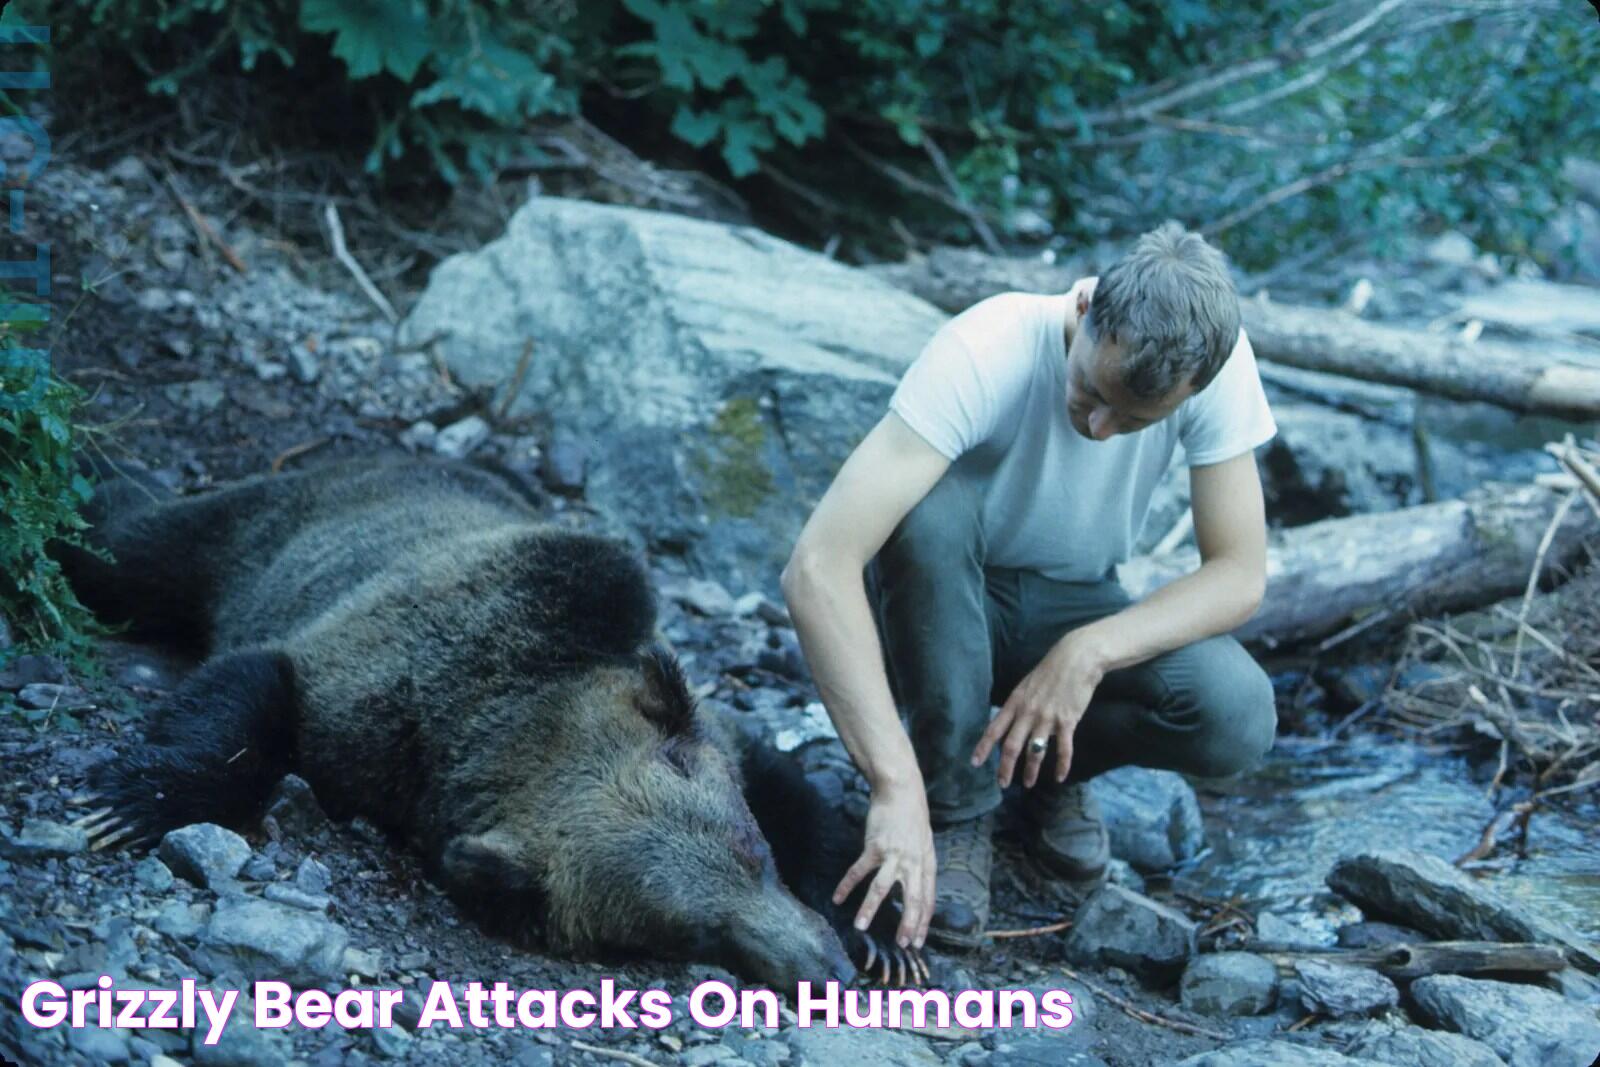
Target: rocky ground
(206,373)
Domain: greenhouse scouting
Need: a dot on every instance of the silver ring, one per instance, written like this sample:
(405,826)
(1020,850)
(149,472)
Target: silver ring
(1037,746)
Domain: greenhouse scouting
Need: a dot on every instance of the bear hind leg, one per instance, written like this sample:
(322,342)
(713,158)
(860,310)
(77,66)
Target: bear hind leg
(213,753)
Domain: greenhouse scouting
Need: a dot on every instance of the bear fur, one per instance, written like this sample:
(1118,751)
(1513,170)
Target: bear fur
(417,644)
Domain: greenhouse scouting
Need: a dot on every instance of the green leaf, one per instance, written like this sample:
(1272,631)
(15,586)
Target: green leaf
(698,128)
(372,36)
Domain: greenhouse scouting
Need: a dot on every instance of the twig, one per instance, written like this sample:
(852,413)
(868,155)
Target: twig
(298,450)
(515,385)
(202,228)
(613,1053)
(1033,931)
(1144,1016)
(1332,174)
(330,215)
(962,200)
(1533,576)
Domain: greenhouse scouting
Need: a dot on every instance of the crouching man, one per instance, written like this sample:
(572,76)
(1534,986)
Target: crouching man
(965,556)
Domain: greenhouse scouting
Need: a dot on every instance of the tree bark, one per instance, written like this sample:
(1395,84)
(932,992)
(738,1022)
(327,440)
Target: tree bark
(1448,556)
(1528,379)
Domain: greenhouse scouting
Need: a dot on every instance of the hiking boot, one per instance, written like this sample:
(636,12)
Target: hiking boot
(965,852)
(1067,836)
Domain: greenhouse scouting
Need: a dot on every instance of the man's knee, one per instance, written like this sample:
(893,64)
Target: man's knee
(1237,713)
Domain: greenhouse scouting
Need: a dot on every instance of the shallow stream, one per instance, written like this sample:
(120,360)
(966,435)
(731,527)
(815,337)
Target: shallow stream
(1273,834)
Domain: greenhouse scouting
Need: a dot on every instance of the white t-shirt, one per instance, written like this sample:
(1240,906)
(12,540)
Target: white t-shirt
(989,392)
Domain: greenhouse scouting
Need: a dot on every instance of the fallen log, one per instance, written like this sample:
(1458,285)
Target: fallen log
(1534,380)
(1415,960)
(1447,556)
(1506,375)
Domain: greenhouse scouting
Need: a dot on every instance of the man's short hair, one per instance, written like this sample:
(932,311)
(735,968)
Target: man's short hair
(1170,303)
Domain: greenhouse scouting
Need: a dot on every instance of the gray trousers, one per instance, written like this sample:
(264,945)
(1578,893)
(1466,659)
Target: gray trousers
(958,636)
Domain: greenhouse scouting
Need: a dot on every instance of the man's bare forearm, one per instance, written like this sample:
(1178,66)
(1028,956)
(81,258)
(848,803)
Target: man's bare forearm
(1218,597)
(834,623)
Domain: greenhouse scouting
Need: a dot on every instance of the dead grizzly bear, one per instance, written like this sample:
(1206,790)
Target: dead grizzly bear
(411,639)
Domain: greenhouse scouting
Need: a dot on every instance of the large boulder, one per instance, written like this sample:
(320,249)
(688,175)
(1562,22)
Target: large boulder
(718,375)
(1526,1026)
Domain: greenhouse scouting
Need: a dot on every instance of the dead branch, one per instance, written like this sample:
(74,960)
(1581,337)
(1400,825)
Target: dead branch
(330,215)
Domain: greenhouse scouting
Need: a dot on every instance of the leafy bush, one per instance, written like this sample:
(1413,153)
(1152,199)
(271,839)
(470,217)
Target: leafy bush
(41,492)
(1280,123)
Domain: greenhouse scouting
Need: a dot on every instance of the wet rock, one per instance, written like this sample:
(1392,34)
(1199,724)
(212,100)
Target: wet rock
(1376,934)
(180,921)
(1451,249)
(129,170)
(42,695)
(304,363)
(153,875)
(1425,892)
(259,868)
(461,439)
(566,464)
(1152,817)
(312,876)
(702,595)
(1341,991)
(1041,1050)
(1575,985)
(203,397)
(156,301)
(206,854)
(32,670)
(768,611)
(366,962)
(419,436)
(1267,1053)
(42,839)
(267,940)
(240,1043)
(1423,1048)
(1525,1025)
(1119,928)
(392,1042)
(1281,931)
(1229,983)
(99,1046)
(811,724)
(293,810)
(819,1046)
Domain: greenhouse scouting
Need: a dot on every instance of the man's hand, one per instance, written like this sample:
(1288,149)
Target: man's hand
(1048,703)
(899,846)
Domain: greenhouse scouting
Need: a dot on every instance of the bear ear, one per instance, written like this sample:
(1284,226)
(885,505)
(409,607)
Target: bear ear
(486,863)
(665,699)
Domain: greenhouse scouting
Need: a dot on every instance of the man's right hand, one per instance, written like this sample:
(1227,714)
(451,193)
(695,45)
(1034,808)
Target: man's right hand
(899,846)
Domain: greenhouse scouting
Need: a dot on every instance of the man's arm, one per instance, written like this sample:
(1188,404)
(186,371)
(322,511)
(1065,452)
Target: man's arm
(1230,530)
(889,472)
